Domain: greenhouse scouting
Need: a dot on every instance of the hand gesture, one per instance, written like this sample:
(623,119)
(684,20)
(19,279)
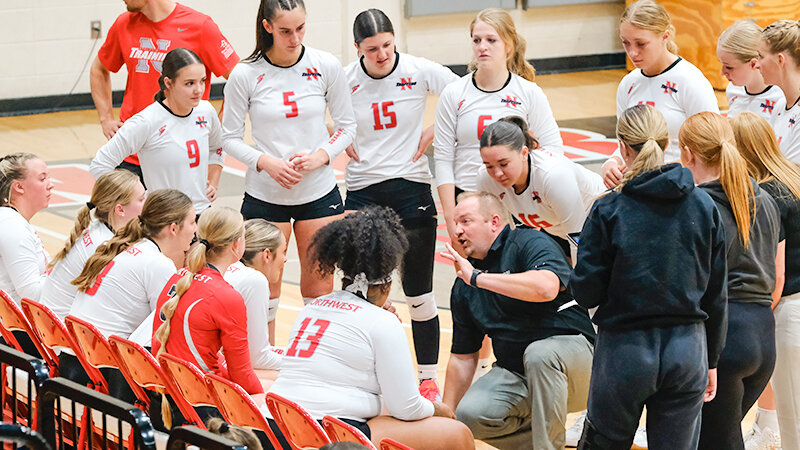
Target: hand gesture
(463,266)
(306,162)
(281,171)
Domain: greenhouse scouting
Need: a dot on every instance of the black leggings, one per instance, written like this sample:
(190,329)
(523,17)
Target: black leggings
(743,372)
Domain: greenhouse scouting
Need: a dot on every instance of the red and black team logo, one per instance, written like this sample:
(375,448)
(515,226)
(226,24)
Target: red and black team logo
(768,106)
(535,196)
(311,73)
(201,121)
(669,87)
(511,101)
(406,83)
(791,122)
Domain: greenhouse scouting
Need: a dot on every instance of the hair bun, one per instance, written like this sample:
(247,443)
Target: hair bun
(224,428)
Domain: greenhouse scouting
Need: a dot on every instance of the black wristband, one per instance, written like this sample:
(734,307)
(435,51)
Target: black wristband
(474,279)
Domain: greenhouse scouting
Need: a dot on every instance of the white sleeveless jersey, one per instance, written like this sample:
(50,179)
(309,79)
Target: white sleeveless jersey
(174,151)
(762,103)
(389,113)
(58,292)
(126,290)
(287,109)
(23,259)
(785,124)
(464,111)
(678,92)
(558,197)
(345,355)
(254,288)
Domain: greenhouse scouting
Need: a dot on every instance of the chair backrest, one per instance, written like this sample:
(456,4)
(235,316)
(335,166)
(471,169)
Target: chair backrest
(188,379)
(296,424)
(340,431)
(13,319)
(391,444)
(55,336)
(237,407)
(144,370)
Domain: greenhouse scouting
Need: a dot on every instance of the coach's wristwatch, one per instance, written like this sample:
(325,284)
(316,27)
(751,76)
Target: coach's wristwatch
(474,279)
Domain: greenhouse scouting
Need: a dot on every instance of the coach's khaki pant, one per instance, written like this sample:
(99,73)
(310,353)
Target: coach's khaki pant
(786,377)
(511,411)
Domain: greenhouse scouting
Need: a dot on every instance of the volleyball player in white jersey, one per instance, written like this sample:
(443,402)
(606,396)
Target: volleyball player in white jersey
(779,62)
(500,84)
(119,285)
(661,79)
(388,166)
(540,189)
(117,197)
(348,356)
(737,50)
(286,87)
(178,138)
(261,264)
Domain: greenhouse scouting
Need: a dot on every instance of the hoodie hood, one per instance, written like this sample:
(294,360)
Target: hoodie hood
(668,182)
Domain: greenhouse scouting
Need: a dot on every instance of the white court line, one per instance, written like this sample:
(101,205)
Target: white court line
(298,308)
(50,233)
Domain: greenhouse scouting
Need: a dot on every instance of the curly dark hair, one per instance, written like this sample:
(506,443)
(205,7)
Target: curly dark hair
(371,240)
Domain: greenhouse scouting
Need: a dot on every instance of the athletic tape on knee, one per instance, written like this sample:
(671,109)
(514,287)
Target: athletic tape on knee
(422,307)
(273,309)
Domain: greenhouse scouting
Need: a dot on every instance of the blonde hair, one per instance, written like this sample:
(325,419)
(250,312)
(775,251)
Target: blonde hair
(489,205)
(162,208)
(13,167)
(502,22)
(651,16)
(643,129)
(759,147)
(710,138)
(784,36)
(240,435)
(114,188)
(741,40)
(260,235)
(218,227)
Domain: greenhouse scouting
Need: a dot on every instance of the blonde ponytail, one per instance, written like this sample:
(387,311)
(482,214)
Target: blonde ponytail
(710,138)
(502,22)
(642,128)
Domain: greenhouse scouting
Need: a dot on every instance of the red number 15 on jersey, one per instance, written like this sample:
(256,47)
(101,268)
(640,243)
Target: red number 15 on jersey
(313,339)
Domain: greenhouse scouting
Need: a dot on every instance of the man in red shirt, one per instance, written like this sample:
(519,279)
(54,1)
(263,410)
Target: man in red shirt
(140,39)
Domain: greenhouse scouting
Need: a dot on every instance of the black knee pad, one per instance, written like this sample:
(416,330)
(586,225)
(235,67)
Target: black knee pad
(592,439)
(417,268)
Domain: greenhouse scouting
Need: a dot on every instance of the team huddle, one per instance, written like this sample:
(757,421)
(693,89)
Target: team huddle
(669,281)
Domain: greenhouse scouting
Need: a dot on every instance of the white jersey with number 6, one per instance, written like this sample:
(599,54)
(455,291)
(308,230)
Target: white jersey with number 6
(347,358)
(174,151)
(465,110)
(287,109)
(389,113)
(558,198)
(126,290)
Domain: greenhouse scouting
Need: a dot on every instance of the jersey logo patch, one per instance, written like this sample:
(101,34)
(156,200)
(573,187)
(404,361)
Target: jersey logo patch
(511,101)
(406,83)
(791,122)
(226,48)
(502,194)
(767,106)
(311,73)
(733,99)
(355,88)
(219,152)
(201,121)
(630,89)
(535,196)
(669,87)
(460,104)
(149,53)
(260,77)
(162,130)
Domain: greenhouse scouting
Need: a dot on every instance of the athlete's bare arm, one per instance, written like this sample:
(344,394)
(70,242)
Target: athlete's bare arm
(458,378)
(100,86)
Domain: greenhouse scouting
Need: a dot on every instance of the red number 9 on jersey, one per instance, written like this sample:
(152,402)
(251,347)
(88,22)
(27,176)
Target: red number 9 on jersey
(194,153)
(321,325)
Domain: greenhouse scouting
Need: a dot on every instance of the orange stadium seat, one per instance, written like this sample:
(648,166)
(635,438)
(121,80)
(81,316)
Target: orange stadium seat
(296,424)
(340,431)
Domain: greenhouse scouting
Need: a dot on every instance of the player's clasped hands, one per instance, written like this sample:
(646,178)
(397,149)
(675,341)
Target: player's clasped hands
(306,162)
(283,172)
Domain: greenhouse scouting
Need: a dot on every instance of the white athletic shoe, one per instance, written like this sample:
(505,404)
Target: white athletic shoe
(640,438)
(762,439)
(574,432)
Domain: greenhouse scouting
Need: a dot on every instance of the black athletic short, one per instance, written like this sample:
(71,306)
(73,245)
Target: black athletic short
(329,205)
(412,201)
(135,168)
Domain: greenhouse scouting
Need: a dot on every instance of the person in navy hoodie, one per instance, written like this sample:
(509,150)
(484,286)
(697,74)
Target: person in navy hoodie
(752,230)
(661,302)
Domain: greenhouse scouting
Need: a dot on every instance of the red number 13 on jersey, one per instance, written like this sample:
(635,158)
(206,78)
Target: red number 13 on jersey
(321,325)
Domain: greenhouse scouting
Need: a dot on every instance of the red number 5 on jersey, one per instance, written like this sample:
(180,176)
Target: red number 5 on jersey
(290,103)
(321,325)
(482,124)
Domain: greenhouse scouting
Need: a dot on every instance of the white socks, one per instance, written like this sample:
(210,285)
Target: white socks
(767,418)
(426,371)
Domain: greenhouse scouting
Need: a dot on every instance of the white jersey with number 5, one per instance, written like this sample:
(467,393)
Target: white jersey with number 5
(785,124)
(558,198)
(287,109)
(465,110)
(126,290)
(762,103)
(389,113)
(174,151)
(347,358)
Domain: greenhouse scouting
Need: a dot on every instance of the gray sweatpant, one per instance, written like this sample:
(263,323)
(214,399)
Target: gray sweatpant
(511,411)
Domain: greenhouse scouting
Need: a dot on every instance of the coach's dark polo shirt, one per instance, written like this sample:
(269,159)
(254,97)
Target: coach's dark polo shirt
(513,324)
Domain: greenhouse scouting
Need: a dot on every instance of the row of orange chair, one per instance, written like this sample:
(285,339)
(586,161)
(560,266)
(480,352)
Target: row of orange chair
(181,380)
